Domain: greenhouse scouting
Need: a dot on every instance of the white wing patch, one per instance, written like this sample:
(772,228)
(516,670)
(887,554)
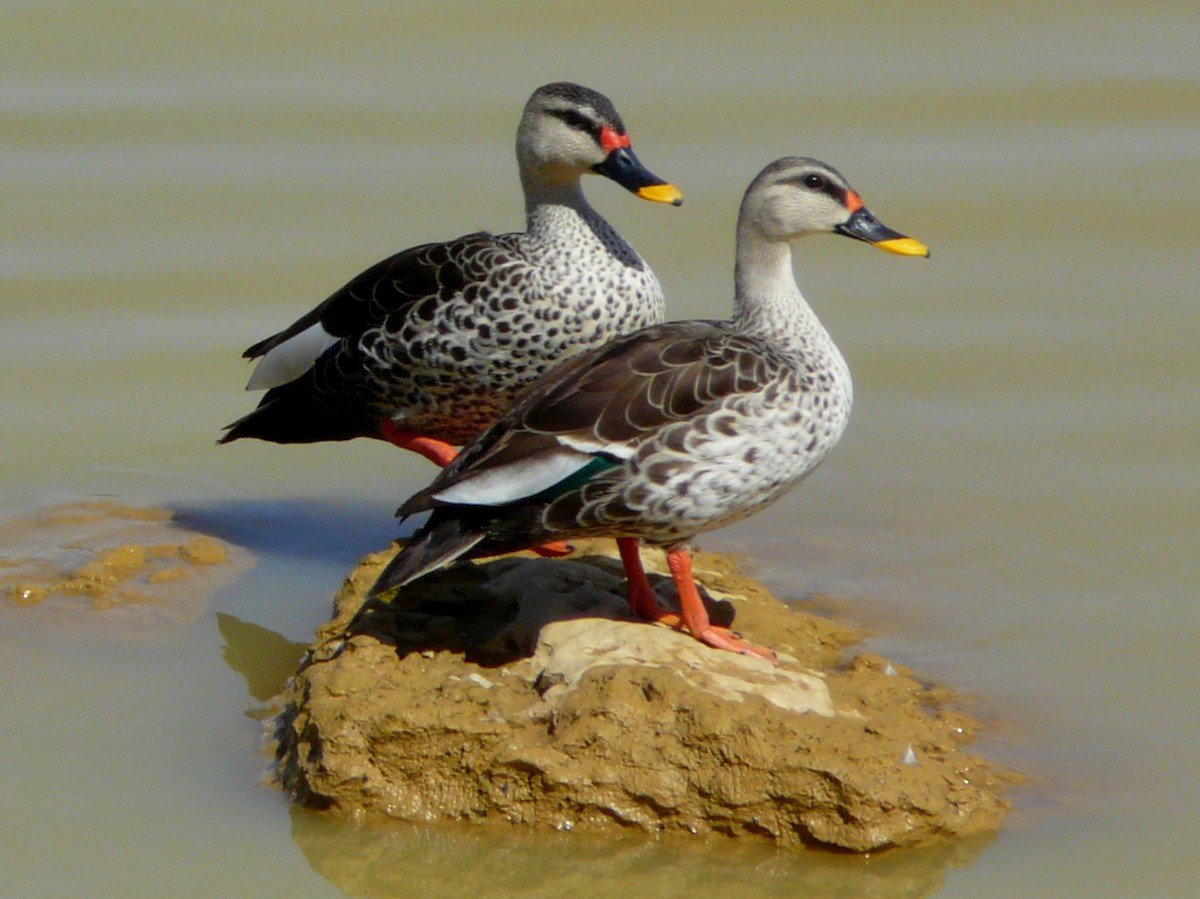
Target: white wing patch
(595,447)
(291,359)
(517,480)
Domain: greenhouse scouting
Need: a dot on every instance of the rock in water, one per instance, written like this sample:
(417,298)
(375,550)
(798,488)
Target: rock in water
(516,690)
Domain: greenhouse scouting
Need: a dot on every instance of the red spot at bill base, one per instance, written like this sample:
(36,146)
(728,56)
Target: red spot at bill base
(611,140)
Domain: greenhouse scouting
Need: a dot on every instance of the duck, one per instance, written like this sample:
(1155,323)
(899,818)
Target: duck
(429,346)
(674,430)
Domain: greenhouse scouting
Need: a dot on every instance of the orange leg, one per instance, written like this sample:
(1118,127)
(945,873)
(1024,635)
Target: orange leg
(695,617)
(642,601)
(438,452)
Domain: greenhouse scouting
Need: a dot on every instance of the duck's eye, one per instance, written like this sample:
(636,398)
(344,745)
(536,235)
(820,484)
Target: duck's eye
(814,182)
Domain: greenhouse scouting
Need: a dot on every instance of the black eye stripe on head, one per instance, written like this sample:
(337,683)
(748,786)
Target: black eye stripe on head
(576,119)
(820,183)
(582,97)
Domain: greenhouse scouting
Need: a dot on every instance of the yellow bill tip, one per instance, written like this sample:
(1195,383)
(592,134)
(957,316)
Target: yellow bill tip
(904,246)
(662,193)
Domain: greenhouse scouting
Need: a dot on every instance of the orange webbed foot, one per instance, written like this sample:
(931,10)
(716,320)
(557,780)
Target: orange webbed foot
(438,452)
(554,549)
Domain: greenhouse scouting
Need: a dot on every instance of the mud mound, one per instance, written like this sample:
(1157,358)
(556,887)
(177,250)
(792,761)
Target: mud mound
(517,691)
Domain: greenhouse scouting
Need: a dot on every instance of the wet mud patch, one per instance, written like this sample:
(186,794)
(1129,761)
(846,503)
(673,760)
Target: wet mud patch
(103,567)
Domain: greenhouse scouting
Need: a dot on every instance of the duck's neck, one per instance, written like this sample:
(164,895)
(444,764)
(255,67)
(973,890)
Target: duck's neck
(767,301)
(559,214)
(546,204)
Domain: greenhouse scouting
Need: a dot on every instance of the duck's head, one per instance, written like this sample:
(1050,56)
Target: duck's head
(568,130)
(796,196)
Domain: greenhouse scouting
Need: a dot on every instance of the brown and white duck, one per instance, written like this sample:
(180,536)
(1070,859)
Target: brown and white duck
(671,431)
(429,346)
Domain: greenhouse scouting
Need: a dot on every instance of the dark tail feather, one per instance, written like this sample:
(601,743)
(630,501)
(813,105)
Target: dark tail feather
(290,414)
(438,543)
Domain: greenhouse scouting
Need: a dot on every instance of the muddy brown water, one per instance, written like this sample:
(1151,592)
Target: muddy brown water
(1012,511)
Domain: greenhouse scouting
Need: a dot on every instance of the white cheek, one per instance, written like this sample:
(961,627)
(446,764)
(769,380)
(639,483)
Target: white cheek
(291,359)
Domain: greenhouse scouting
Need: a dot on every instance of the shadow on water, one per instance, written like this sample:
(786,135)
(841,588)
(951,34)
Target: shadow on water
(304,547)
(312,529)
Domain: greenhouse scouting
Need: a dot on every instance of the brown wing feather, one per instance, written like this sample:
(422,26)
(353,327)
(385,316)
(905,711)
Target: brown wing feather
(617,394)
(394,284)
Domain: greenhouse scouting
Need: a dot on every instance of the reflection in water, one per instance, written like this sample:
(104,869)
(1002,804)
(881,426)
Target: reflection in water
(493,862)
(264,658)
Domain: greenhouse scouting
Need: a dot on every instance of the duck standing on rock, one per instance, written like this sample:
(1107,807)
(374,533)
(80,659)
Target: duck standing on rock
(428,347)
(676,429)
